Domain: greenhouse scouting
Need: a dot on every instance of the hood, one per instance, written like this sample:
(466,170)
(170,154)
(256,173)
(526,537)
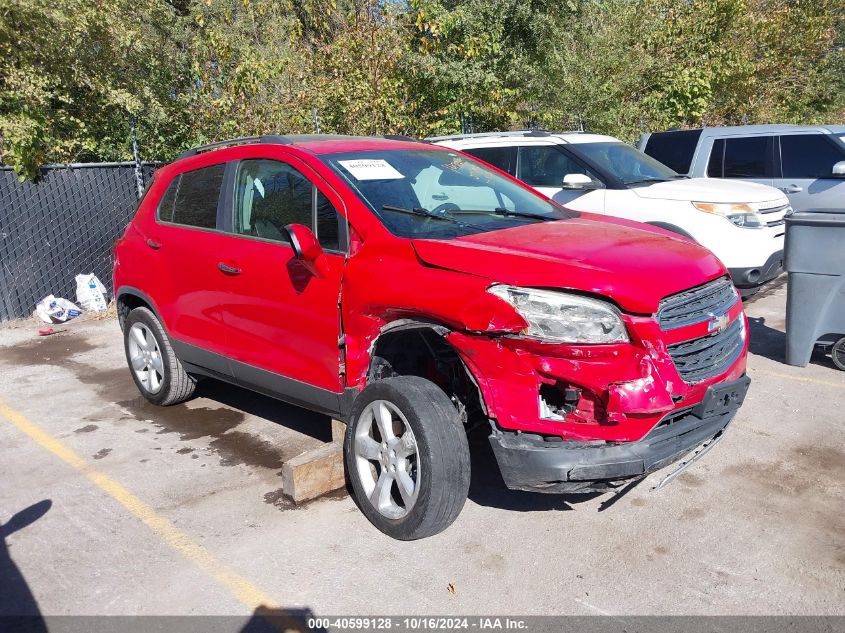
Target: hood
(710,190)
(635,267)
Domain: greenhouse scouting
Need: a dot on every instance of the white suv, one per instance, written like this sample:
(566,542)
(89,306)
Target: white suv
(741,222)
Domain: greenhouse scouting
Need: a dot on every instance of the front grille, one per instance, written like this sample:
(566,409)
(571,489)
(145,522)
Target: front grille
(784,208)
(708,356)
(697,304)
(778,215)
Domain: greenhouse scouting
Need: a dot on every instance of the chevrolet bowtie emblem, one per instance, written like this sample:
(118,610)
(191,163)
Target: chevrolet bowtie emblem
(718,323)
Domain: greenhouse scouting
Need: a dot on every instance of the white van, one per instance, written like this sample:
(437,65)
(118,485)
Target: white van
(742,223)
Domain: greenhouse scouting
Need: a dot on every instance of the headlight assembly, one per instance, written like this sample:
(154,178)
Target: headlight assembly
(560,317)
(743,215)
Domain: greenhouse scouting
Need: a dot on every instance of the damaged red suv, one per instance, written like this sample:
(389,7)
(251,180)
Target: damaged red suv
(414,292)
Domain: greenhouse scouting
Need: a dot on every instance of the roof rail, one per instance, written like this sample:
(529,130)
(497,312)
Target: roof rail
(521,133)
(267,138)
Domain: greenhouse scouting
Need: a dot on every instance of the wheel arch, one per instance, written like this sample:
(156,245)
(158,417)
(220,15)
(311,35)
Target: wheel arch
(127,298)
(672,229)
(420,347)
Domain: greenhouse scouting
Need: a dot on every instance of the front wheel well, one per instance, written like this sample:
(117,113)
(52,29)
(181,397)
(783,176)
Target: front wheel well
(672,228)
(421,350)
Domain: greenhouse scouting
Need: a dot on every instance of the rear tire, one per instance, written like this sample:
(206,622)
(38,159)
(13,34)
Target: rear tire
(407,457)
(157,372)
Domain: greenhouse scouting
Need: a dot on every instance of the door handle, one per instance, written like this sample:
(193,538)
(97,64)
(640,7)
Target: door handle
(440,196)
(229,270)
(792,189)
(153,244)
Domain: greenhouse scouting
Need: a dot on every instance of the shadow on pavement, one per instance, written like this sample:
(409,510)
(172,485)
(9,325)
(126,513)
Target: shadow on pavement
(267,620)
(766,341)
(771,343)
(16,599)
(487,488)
(290,416)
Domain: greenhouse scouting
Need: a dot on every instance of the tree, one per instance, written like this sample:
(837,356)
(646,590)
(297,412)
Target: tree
(73,72)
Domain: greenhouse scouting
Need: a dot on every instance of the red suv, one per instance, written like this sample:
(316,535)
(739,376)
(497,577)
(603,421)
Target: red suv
(414,292)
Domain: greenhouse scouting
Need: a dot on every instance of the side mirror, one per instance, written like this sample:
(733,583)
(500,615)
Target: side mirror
(577,181)
(307,249)
(839,169)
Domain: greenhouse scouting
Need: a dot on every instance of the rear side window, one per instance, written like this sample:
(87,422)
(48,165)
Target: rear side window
(748,157)
(674,149)
(546,165)
(808,156)
(165,205)
(195,196)
(502,157)
(270,194)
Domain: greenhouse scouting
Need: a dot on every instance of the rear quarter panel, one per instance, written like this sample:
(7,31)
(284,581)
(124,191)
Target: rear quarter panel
(133,268)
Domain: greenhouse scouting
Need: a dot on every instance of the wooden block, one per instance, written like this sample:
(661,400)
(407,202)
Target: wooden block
(338,431)
(314,473)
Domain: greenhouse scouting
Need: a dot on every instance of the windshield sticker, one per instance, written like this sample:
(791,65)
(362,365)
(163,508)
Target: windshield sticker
(370,169)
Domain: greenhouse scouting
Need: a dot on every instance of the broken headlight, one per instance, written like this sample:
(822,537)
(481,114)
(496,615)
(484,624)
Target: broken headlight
(564,318)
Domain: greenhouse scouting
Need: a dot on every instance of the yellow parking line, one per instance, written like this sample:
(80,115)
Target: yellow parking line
(240,588)
(815,381)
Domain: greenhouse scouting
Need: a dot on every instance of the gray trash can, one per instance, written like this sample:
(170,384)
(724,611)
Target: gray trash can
(815,302)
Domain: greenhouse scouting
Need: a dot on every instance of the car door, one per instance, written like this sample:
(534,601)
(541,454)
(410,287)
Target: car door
(806,169)
(544,168)
(282,320)
(184,241)
(743,157)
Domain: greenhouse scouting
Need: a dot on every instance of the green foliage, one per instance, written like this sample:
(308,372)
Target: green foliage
(73,72)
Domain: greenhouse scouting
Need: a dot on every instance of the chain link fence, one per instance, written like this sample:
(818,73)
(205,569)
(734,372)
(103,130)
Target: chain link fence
(63,225)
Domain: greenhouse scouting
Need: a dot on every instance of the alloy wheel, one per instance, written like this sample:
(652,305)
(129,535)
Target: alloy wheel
(145,358)
(386,457)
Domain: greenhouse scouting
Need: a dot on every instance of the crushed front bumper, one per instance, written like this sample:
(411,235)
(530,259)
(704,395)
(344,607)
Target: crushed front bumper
(530,462)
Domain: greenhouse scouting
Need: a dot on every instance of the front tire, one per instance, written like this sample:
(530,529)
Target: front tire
(157,372)
(407,457)
(837,353)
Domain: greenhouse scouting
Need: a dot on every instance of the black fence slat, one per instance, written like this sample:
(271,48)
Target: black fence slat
(63,225)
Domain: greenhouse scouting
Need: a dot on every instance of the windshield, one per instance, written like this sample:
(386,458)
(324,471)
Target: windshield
(429,193)
(629,165)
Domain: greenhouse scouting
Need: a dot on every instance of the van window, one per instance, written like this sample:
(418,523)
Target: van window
(270,194)
(197,197)
(546,165)
(808,156)
(502,157)
(747,157)
(674,149)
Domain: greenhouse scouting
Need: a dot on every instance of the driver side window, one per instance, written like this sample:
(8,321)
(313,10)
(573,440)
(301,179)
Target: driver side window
(546,166)
(270,194)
